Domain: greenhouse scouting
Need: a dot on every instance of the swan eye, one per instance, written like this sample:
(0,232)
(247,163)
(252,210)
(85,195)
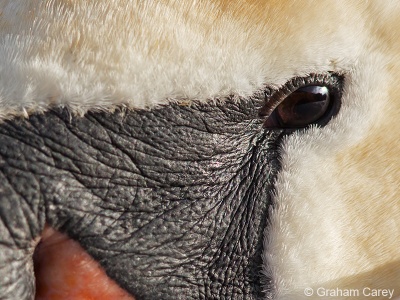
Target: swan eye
(306,105)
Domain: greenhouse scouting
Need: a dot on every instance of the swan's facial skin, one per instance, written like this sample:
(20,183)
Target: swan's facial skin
(135,128)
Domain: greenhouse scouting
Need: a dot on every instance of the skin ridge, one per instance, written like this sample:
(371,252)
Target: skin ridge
(102,182)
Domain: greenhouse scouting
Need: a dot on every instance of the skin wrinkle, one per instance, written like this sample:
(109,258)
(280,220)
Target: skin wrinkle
(192,237)
(21,231)
(235,233)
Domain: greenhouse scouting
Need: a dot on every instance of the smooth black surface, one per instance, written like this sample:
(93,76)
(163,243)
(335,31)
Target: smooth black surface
(173,202)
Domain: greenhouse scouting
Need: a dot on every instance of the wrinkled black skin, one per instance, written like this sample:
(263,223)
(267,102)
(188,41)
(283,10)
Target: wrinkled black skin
(173,202)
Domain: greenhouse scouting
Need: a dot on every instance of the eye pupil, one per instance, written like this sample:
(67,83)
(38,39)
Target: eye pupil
(302,101)
(304,106)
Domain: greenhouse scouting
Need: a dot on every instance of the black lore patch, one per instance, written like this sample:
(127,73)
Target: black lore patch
(173,202)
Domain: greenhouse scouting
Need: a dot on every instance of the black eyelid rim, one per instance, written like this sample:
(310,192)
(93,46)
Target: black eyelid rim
(275,96)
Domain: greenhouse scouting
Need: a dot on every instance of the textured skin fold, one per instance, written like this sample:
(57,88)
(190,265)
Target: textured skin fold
(177,216)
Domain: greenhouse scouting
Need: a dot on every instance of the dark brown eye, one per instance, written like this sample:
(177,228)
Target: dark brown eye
(308,104)
(304,106)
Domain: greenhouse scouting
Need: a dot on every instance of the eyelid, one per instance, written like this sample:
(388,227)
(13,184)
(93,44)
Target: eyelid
(275,96)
